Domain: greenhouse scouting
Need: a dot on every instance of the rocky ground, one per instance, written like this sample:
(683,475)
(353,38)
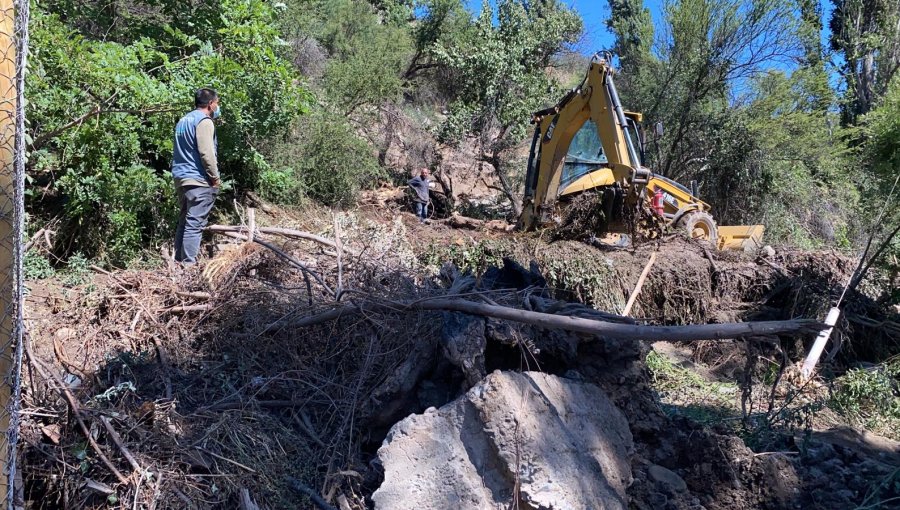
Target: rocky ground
(225,388)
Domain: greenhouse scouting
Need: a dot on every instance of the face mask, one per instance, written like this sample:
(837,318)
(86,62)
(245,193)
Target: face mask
(217,113)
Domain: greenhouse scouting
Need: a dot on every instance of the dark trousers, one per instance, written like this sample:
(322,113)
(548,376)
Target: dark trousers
(196,203)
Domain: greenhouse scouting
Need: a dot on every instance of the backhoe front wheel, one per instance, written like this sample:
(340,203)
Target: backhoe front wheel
(701,226)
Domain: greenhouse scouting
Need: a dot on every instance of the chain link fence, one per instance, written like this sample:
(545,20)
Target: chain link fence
(13,50)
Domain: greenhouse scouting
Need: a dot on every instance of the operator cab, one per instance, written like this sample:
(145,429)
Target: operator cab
(585,155)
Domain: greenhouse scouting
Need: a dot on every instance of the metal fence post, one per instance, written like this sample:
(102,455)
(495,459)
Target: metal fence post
(13,47)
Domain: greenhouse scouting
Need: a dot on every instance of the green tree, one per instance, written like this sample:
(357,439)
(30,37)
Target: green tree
(497,71)
(366,56)
(704,55)
(881,129)
(102,111)
(441,24)
(812,65)
(360,51)
(632,25)
(803,191)
(867,35)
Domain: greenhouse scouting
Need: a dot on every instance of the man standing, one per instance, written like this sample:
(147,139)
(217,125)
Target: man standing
(196,173)
(421,185)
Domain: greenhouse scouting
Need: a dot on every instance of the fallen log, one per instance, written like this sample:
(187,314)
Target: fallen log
(42,233)
(259,203)
(577,324)
(285,232)
(459,221)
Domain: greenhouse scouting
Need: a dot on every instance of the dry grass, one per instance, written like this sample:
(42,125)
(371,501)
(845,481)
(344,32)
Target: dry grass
(222,397)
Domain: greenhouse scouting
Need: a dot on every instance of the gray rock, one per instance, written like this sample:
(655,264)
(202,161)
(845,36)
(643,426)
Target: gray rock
(463,342)
(667,478)
(564,442)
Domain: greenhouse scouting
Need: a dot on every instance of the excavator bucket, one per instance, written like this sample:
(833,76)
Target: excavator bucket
(741,237)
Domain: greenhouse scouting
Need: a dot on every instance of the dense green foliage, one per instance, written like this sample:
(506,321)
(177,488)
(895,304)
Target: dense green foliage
(105,90)
(323,158)
(883,129)
(868,397)
(771,135)
(498,75)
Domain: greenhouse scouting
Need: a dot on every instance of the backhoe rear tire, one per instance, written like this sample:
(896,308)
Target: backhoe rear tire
(701,226)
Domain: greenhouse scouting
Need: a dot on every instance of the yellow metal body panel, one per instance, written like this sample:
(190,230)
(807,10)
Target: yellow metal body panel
(595,179)
(675,197)
(740,237)
(591,103)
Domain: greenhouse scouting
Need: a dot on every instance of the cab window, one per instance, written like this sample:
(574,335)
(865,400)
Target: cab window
(585,154)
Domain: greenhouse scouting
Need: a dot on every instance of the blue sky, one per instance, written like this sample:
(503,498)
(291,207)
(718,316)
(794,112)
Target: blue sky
(595,13)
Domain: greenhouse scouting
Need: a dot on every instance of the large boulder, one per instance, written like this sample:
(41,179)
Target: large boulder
(548,442)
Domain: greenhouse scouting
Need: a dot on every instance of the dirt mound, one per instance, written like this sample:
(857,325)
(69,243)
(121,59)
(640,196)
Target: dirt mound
(689,284)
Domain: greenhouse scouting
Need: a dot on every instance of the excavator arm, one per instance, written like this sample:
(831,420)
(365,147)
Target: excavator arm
(591,116)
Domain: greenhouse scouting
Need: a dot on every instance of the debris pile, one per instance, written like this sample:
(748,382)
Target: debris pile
(304,375)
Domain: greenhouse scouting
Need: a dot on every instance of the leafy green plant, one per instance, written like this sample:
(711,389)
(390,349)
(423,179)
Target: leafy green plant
(669,376)
(870,397)
(684,392)
(323,158)
(281,186)
(77,271)
(475,258)
(37,267)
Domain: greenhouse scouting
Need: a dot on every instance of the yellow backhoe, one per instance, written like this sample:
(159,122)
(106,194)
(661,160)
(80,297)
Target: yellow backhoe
(587,141)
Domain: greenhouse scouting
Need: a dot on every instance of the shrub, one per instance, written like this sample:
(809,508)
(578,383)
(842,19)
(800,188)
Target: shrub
(112,214)
(870,397)
(327,159)
(281,186)
(37,267)
(77,271)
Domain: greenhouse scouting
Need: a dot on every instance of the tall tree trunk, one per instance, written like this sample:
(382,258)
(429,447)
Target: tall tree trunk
(505,186)
(389,135)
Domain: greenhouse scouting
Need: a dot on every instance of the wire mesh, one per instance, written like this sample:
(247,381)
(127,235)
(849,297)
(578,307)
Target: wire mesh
(13,50)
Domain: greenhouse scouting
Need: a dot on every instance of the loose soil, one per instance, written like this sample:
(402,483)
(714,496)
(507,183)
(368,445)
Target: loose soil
(219,394)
